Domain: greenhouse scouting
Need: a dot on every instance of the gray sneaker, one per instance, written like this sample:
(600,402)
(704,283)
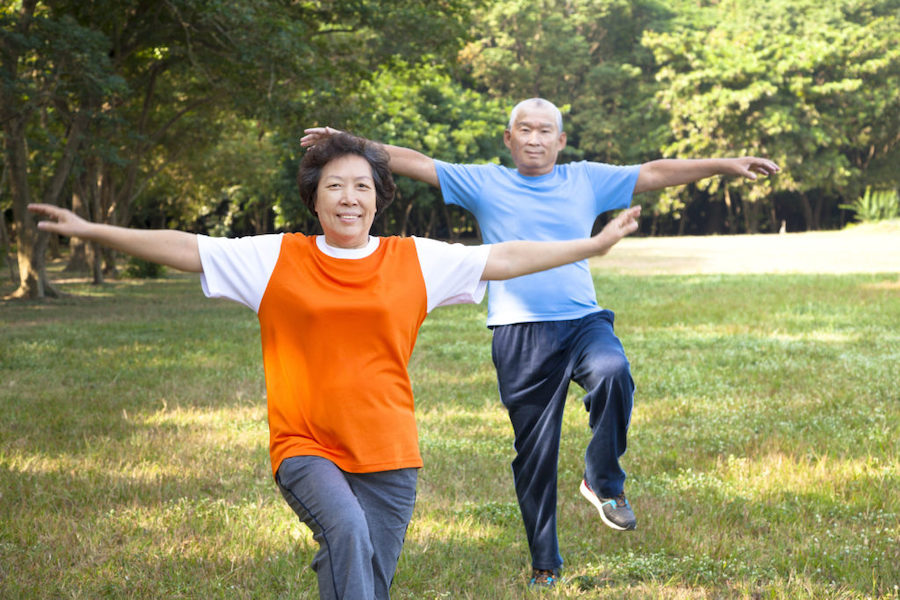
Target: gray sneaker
(615,512)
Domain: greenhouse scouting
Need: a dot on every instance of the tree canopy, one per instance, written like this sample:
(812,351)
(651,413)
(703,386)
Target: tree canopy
(188,113)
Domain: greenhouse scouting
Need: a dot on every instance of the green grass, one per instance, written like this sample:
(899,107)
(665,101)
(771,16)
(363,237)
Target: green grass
(762,461)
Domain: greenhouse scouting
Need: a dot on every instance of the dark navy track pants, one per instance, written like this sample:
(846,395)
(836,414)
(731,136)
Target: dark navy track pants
(535,362)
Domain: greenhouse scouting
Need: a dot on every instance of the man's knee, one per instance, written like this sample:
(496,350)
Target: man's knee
(607,370)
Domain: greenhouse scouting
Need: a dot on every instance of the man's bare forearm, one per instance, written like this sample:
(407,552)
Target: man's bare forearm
(412,163)
(667,172)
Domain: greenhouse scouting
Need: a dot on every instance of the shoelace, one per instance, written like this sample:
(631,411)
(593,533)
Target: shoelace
(618,501)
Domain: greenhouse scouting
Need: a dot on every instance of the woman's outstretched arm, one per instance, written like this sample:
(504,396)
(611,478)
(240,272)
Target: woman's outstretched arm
(512,259)
(176,249)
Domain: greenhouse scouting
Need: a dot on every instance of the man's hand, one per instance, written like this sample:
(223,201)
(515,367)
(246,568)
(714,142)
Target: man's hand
(666,172)
(751,166)
(314,135)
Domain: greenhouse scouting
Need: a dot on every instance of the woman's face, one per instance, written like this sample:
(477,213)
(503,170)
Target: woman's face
(345,201)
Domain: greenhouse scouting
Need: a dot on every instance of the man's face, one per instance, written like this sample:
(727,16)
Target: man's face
(534,140)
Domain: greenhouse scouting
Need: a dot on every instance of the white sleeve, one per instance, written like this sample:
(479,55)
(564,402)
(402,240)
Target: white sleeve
(452,272)
(238,269)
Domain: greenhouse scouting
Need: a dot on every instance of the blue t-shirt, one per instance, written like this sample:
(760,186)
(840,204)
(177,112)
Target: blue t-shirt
(561,205)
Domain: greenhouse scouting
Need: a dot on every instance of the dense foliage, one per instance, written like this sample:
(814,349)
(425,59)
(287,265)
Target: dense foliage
(187,113)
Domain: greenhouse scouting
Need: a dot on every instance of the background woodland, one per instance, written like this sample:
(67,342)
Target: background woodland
(188,113)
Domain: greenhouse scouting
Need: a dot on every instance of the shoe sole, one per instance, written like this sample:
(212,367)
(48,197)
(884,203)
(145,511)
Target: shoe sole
(593,499)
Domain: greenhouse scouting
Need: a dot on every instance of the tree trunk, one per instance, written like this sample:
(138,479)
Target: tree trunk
(92,208)
(751,219)
(432,221)
(812,213)
(682,223)
(78,262)
(31,243)
(14,117)
(808,212)
(751,212)
(404,223)
(5,238)
(731,218)
(817,212)
(715,219)
(451,230)
(5,245)
(103,208)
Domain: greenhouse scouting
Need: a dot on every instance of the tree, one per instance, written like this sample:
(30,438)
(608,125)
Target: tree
(45,64)
(584,55)
(148,73)
(420,106)
(587,57)
(230,188)
(811,85)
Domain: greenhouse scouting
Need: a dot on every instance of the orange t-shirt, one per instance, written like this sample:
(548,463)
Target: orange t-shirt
(337,336)
(338,328)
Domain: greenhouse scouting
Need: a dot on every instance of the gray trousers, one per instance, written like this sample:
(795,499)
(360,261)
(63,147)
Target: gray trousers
(358,519)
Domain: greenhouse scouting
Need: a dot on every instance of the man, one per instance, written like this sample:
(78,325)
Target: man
(547,327)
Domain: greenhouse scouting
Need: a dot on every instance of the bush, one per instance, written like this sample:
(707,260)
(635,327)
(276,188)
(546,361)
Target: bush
(143,269)
(877,205)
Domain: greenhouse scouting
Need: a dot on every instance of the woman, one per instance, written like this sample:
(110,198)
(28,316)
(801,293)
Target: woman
(339,314)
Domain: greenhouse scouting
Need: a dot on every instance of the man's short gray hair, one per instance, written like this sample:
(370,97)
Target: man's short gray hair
(537,103)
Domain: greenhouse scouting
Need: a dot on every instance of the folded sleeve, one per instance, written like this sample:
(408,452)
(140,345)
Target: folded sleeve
(613,185)
(452,272)
(461,184)
(238,268)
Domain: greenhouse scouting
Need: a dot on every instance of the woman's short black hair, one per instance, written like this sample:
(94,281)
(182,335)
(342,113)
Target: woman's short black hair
(336,146)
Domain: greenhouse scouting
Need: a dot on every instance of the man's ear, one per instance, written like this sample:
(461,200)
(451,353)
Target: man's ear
(507,138)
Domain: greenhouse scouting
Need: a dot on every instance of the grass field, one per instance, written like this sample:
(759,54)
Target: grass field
(763,456)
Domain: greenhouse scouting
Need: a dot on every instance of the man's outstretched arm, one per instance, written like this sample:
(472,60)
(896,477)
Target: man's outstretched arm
(404,161)
(666,172)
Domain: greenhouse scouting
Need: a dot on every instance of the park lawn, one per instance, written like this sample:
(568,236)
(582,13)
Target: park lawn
(762,461)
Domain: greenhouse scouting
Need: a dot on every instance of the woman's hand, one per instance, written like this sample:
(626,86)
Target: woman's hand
(625,223)
(60,220)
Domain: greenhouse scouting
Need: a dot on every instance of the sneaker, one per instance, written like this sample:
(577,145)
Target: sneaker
(615,512)
(543,577)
